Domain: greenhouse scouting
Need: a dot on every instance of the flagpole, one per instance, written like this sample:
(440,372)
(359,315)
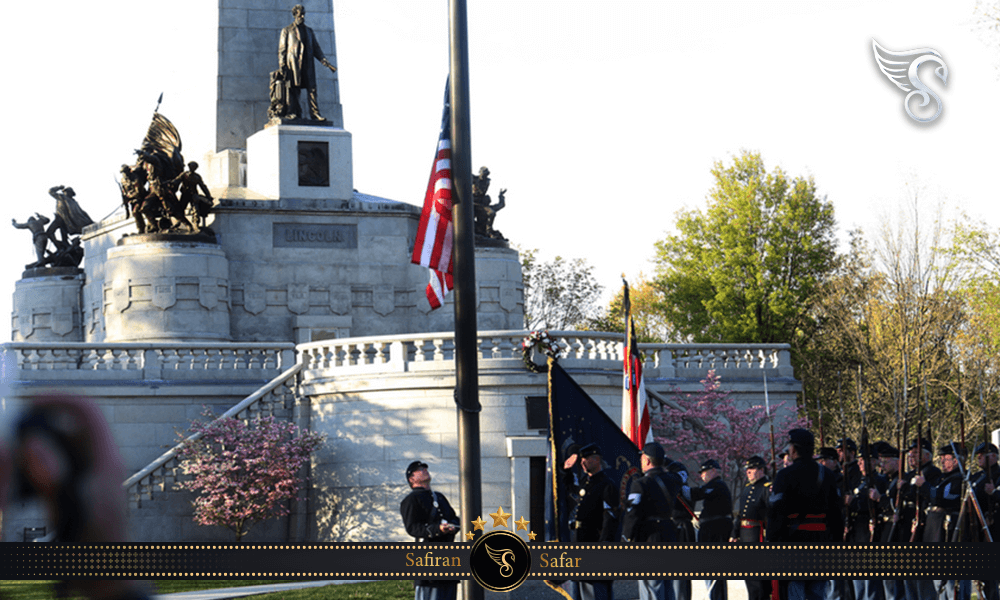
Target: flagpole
(466,360)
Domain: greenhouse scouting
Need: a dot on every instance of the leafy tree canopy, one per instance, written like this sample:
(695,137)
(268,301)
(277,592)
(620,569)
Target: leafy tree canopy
(747,266)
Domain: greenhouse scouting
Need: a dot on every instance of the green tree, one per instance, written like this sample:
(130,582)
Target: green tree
(748,266)
(561,294)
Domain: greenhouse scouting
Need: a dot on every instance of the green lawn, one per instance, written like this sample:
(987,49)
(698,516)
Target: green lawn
(402,590)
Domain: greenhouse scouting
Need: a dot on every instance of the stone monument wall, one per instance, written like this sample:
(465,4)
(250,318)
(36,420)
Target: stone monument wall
(298,270)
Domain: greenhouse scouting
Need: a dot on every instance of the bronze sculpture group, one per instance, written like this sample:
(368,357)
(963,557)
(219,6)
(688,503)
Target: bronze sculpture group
(68,223)
(150,187)
(485,211)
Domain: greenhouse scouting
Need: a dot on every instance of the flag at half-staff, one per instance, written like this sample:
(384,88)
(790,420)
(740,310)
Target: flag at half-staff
(435,232)
(635,410)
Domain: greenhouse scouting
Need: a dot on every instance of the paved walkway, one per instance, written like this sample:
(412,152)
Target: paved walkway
(624,590)
(250,590)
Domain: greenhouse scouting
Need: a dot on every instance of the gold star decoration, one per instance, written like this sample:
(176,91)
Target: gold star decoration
(469,536)
(500,517)
(521,524)
(531,536)
(478,524)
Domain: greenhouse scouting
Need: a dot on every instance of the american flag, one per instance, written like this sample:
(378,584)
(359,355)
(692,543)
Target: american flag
(435,233)
(635,411)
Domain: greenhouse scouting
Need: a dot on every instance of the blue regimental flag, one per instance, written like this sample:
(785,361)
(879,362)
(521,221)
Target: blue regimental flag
(574,418)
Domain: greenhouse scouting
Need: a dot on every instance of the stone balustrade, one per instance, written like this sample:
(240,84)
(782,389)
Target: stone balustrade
(84,361)
(497,348)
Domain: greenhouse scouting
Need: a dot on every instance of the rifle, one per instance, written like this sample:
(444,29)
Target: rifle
(767,407)
(843,438)
(128,212)
(867,462)
(962,514)
(822,436)
(927,412)
(899,476)
(986,436)
(917,471)
(970,495)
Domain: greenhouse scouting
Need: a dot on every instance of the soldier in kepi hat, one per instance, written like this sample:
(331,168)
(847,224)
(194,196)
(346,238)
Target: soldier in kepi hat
(863,522)
(752,519)
(886,499)
(429,517)
(922,476)
(682,516)
(647,517)
(942,514)
(985,483)
(596,515)
(716,519)
(805,506)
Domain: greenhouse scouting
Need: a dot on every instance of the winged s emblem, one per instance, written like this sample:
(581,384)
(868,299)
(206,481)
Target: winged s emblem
(500,558)
(902,69)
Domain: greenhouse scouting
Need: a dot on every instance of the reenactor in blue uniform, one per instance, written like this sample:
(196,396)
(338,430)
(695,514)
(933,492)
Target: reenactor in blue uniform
(429,518)
(805,507)
(847,456)
(942,514)
(683,517)
(716,519)
(922,476)
(751,519)
(647,518)
(863,522)
(836,589)
(596,517)
(886,499)
(986,485)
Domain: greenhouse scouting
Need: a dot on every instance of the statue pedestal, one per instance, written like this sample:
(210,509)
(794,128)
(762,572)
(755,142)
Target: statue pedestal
(46,306)
(166,290)
(301,161)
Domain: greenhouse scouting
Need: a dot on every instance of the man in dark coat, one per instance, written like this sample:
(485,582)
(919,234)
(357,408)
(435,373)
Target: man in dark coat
(296,51)
(884,495)
(683,516)
(986,484)
(805,507)
(596,515)
(716,519)
(751,519)
(863,522)
(647,518)
(942,514)
(916,499)
(429,517)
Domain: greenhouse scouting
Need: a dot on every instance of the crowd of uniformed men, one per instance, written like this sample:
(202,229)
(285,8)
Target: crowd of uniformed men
(818,495)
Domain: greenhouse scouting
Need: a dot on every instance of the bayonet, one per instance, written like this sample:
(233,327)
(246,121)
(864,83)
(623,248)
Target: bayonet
(767,408)
(867,461)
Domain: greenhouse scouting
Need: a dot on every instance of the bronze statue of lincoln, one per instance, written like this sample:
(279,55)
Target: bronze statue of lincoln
(296,51)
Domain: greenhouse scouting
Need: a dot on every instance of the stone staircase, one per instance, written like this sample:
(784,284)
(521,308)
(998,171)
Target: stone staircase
(277,398)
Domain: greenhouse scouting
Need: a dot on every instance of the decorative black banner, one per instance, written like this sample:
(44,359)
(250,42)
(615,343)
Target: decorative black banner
(452,561)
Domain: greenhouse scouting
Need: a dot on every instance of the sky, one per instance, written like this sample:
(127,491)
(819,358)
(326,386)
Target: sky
(601,119)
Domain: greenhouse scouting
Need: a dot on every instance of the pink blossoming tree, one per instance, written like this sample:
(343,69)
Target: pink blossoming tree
(710,425)
(244,473)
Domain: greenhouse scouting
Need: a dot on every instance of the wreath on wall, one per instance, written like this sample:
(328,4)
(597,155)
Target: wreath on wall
(543,343)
